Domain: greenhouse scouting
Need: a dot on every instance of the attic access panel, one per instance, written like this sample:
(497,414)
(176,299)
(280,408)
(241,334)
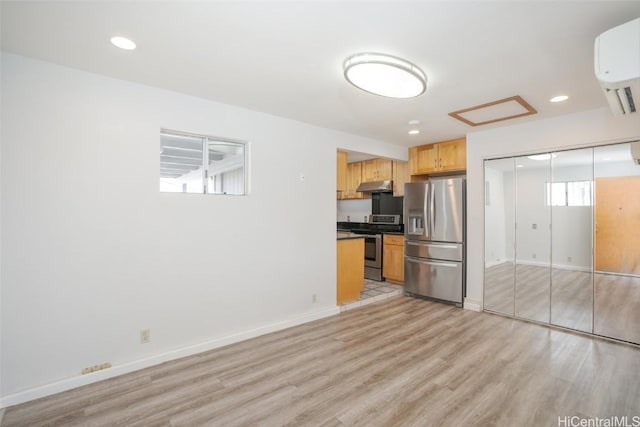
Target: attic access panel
(496,111)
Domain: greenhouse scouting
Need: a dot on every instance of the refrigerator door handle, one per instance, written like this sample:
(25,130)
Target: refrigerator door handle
(436,263)
(427,217)
(432,206)
(438,245)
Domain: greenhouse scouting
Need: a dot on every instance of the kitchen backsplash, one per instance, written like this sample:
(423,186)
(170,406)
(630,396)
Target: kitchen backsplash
(354,210)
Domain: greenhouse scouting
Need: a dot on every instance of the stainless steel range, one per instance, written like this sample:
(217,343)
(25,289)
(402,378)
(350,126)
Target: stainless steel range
(373,241)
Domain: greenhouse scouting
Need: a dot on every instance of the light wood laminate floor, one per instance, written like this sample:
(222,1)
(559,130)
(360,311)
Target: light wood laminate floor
(600,303)
(400,362)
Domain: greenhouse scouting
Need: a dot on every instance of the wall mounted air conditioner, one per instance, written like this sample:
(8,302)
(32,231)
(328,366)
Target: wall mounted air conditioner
(635,152)
(617,66)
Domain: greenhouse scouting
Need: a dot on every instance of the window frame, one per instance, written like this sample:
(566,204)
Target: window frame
(549,192)
(206,139)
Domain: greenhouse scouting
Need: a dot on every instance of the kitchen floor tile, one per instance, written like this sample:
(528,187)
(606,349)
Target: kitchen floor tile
(374,291)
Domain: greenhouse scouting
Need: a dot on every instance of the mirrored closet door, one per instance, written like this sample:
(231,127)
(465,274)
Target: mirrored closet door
(617,242)
(571,200)
(499,230)
(533,237)
(561,239)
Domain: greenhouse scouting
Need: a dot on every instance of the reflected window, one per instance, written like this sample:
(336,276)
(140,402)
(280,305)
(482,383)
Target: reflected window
(201,164)
(571,193)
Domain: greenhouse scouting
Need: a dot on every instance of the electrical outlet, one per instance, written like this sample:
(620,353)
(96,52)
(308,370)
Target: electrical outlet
(568,259)
(302,177)
(145,336)
(314,298)
(534,226)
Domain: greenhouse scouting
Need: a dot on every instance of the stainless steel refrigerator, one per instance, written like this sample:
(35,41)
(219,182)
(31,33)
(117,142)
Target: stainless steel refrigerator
(435,233)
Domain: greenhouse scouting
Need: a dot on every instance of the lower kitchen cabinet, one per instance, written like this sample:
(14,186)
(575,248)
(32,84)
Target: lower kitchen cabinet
(350,269)
(393,258)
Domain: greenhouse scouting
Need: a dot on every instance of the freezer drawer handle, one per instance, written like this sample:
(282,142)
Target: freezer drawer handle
(432,245)
(437,264)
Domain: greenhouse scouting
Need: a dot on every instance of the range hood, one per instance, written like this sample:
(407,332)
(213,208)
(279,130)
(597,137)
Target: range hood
(376,187)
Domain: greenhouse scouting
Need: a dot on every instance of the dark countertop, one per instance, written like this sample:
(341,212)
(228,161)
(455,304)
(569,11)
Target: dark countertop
(379,229)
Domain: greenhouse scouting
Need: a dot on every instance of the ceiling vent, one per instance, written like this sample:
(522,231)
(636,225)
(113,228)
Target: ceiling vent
(617,66)
(496,111)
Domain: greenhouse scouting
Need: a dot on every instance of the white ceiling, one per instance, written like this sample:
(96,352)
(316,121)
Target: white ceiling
(285,58)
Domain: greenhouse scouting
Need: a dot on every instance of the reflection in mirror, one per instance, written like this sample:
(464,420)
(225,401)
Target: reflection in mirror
(570,196)
(617,251)
(499,234)
(533,240)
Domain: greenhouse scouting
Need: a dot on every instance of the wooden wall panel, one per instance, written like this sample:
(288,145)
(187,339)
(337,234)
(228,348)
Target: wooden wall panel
(617,224)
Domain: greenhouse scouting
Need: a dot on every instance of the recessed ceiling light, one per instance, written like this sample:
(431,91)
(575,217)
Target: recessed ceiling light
(414,122)
(606,159)
(123,43)
(545,156)
(385,75)
(519,166)
(559,98)
(414,132)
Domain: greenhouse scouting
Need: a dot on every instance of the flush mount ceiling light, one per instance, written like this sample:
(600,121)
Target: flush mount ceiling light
(385,75)
(123,43)
(559,98)
(414,132)
(546,156)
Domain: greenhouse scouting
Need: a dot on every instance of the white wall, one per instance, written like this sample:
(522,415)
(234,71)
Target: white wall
(92,252)
(570,225)
(496,244)
(570,131)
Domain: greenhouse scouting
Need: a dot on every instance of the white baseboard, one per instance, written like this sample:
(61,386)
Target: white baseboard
(489,264)
(80,380)
(471,304)
(558,266)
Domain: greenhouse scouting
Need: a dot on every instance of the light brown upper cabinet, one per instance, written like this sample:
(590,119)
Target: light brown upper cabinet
(377,170)
(400,176)
(354,178)
(341,179)
(445,156)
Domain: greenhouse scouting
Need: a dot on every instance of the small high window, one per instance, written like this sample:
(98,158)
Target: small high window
(201,164)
